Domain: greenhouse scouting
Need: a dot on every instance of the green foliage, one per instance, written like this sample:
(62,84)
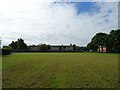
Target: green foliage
(98,40)
(111,41)
(115,40)
(18,45)
(77,48)
(14,45)
(74,47)
(6,52)
(21,44)
(6,47)
(43,47)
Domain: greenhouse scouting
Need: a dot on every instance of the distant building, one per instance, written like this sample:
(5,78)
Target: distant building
(33,48)
(57,48)
(61,48)
(54,48)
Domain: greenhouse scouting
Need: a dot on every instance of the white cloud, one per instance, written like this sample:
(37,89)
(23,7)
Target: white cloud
(43,22)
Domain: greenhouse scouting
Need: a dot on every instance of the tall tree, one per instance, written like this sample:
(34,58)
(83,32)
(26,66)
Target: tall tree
(98,40)
(111,41)
(74,47)
(18,45)
(114,40)
(21,44)
(14,45)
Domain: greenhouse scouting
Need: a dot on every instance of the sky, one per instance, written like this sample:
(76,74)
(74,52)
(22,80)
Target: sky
(55,22)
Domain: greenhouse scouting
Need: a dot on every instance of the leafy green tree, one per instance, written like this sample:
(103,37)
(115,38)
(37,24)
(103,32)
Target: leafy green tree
(14,45)
(43,47)
(114,40)
(48,47)
(111,41)
(74,47)
(21,44)
(77,48)
(89,46)
(98,40)
(18,45)
(6,50)
(6,47)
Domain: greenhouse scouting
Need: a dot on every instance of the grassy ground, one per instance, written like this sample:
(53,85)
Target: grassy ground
(64,70)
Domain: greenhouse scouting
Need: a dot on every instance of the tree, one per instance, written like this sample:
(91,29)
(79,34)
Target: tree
(114,38)
(6,50)
(74,47)
(21,44)
(6,47)
(43,47)
(14,45)
(48,47)
(98,40)
(77,48)
(110,41)
(89,46)
(18,45)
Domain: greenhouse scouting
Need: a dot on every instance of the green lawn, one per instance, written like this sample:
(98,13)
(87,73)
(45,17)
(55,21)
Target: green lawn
(63,70)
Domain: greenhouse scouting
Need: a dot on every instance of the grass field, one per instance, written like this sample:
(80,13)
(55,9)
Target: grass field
(60,70)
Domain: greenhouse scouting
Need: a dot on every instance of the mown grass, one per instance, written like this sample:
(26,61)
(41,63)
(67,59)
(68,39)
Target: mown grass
(60,70)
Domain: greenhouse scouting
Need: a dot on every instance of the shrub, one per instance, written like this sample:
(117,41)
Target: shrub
(6,52)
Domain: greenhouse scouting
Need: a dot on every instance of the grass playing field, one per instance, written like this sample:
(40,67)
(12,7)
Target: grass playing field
(60,70)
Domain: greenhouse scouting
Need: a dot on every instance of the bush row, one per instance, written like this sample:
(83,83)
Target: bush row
(6,52)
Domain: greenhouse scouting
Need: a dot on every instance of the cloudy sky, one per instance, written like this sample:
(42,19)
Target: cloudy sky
(55,22)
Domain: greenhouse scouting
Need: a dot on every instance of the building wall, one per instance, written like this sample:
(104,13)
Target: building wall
(61,48)
(68,48)
(54,48)
(102,49)
(34,48)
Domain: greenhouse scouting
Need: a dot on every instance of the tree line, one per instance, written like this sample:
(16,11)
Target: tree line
(21,46)
(18,45)
(111,41)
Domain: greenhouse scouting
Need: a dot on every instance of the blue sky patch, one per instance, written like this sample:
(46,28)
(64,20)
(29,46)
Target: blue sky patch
(82,7)
(89,7)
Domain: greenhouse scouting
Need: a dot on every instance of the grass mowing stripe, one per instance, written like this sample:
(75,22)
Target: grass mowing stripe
(77,70)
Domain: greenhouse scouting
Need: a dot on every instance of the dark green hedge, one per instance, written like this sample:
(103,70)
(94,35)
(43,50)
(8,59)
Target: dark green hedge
(6,52)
